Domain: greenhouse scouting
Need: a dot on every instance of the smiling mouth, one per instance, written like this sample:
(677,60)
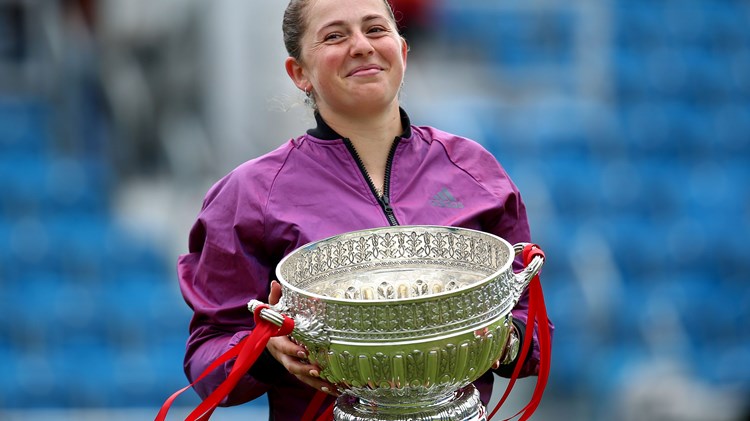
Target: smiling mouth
(365,71)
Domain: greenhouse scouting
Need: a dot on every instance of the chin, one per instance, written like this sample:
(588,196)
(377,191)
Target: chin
(369,104)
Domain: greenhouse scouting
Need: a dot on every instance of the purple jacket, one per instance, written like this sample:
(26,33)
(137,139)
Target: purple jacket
(311,188)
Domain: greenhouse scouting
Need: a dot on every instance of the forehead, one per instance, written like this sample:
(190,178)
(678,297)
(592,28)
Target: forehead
(324,12)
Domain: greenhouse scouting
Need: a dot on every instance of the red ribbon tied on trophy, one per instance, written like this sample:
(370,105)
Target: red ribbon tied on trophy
(537,316)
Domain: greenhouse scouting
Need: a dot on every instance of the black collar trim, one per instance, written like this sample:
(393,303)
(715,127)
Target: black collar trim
(324,132)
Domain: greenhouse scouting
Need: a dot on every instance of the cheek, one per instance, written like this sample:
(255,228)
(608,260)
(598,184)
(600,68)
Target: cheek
(330,63)
(393,52)
(326,67)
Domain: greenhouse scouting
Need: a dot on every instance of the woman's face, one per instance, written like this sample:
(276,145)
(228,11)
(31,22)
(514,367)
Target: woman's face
(353,58)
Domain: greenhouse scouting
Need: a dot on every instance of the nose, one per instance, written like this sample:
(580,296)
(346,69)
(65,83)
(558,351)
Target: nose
(361,45)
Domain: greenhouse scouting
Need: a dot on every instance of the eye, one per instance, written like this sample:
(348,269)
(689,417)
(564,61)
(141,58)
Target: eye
(333,36)
(376,29)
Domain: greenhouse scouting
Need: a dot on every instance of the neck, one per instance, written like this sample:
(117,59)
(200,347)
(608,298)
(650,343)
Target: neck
(367,130)
(372,136)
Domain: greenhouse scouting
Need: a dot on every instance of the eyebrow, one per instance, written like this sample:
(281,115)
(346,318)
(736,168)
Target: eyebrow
(367,18)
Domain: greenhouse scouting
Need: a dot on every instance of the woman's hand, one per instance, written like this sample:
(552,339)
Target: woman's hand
(293,356)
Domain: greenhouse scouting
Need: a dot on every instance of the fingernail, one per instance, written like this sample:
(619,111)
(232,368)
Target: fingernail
(301,354)
(314,373)
(325,389)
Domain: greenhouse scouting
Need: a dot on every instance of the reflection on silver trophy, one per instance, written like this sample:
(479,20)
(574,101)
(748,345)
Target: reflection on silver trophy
(403,319)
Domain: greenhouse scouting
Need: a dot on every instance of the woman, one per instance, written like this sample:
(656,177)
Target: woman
(363,166)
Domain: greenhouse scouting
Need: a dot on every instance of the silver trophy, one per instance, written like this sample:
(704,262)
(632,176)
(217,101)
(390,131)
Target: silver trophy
(403,319)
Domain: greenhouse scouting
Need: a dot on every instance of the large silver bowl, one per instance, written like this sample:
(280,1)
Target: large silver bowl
(403,318)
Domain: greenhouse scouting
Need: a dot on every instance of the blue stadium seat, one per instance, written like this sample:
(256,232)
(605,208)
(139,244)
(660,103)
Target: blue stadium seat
(136,299)
(739,74)
(570,353)
(78,242)
(32,300)
(24,180)
(731,124)
(86,363)
(127,251)
(724,368)
(168,354)
(638,244)
(23,126)
(74,186)
(37,383)
(169,310)
(610,366)
(686,24)
(530,38)
(628,73)
(7,262)
(136,378)
(574,184)
(8,362)
(709,80)
(660,128)
(727,26)
(38,184)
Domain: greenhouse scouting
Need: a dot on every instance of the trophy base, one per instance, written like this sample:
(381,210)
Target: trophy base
(462,405)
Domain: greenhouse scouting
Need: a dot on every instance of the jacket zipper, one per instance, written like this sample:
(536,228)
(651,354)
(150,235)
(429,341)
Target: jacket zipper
(385,199)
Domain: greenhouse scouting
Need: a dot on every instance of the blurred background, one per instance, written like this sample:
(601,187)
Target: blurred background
(625,123)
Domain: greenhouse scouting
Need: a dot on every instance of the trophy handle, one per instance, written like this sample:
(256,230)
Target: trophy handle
(524,277)
(307,331)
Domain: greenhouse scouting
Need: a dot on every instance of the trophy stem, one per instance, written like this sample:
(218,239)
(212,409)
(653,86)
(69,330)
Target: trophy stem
(461,405)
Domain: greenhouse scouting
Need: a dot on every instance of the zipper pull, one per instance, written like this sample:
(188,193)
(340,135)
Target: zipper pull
(385,203)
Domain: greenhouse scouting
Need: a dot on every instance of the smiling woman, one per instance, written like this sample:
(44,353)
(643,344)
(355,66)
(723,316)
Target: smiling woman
(352,61)
(363,166)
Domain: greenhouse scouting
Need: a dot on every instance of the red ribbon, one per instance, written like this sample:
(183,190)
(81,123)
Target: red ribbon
(538,314)
(313,407)
(247,352)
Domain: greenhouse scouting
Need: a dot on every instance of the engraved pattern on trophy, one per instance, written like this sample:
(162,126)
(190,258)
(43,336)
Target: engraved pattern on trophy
(401,319)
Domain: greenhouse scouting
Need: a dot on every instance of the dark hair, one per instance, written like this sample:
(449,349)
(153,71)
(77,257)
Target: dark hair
(294,25)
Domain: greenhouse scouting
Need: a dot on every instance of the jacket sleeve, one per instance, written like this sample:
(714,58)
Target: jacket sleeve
(507,220)
(225,268)
(512,224)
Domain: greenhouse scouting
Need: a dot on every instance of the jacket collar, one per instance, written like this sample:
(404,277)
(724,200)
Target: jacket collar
(324,132)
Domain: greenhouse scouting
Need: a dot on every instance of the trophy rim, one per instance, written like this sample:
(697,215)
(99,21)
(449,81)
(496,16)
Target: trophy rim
(388,301)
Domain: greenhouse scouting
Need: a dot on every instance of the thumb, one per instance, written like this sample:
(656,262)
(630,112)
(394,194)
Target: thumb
(275,294)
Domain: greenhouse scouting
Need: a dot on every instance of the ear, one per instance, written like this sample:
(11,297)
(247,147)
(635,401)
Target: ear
(404,50)
(297,73)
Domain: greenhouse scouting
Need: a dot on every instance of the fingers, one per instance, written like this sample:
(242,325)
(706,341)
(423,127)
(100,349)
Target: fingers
(293,356)
(282,346)
(275,294)
(294,359)
(310,375)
